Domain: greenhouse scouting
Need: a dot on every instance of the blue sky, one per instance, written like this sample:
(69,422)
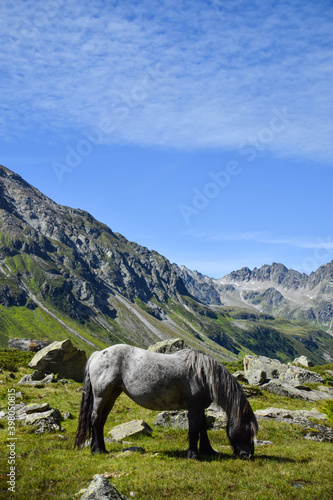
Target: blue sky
(202,130)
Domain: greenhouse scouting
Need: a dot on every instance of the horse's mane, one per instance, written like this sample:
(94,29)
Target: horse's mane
(222,386)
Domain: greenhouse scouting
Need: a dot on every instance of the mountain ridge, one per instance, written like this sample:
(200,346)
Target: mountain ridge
(271,288)
(65,274)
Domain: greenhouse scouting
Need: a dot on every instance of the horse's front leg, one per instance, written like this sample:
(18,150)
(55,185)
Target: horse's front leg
(193,434)
(205,447)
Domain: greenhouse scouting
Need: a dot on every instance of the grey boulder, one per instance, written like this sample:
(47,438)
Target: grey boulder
(61,358)
(101,489)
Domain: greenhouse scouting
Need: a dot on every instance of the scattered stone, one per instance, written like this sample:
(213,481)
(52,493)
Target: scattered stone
(303,361)
(280,414)
(296,375)
(37,379)
(27,344)
(284,380)
(34,408)
(311,430)
(258,442)
(319,433)
(61,358)
(169,346)
(256,377)
(46,421)
(239,375)
(36,375)
(216,418)
(101,489)
(288,390)
(17,411)
(39,416)
(272,367)
(129,429)
(67,415)
(174,419)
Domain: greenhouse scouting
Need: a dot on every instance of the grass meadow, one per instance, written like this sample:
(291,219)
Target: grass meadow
(47,466)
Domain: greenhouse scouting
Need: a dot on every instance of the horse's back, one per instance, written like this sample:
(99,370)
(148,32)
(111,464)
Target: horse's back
(153,380)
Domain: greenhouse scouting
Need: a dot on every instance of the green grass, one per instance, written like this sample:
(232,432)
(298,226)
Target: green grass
(48,467)
(22,322)
(11,359)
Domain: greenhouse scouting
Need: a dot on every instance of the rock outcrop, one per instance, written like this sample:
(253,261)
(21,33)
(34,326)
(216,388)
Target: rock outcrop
(284,380)
(259,369)
(303,418)
(94,255)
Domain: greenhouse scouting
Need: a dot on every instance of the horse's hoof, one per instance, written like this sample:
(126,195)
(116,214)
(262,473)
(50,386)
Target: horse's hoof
(192,455)
(208,453)
(99,452)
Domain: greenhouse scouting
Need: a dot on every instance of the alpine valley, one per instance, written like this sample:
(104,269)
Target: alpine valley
(63,275)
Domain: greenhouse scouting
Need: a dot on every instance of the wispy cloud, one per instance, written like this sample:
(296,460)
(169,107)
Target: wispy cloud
(188,74)
(264,237)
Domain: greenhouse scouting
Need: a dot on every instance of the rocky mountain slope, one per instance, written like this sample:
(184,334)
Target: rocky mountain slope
(63,274)
(273,289)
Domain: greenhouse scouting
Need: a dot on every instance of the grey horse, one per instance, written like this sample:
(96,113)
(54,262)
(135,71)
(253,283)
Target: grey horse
(187,379)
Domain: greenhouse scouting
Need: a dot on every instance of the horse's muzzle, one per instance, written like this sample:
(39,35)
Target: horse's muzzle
(245,456)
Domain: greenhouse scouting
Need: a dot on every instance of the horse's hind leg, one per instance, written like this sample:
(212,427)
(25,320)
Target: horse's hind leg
(101,410)
(198,427)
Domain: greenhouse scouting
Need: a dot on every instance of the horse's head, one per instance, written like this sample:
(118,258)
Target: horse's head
(242,441)
(242,435)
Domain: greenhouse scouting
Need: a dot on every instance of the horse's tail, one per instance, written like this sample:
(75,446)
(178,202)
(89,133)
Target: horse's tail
(87,401)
